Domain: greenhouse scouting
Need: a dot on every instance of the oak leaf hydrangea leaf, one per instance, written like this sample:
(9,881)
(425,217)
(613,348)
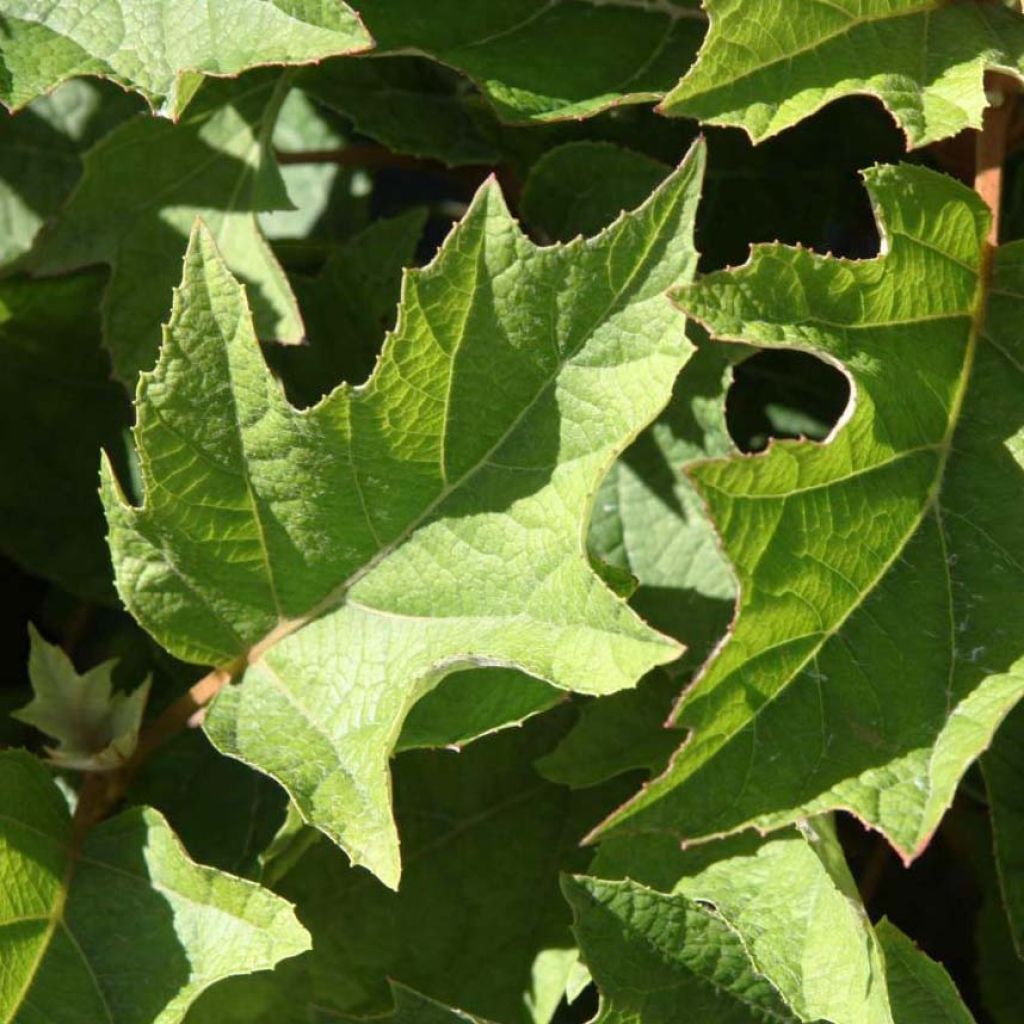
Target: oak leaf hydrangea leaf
(351,555)
(767,64)
(877,642)
(163,48)
(117,925)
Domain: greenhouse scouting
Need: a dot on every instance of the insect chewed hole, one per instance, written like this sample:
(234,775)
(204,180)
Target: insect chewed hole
(783,393)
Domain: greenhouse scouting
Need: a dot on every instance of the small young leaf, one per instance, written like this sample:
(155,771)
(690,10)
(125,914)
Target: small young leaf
(47,43)
(95,728)
(121,926)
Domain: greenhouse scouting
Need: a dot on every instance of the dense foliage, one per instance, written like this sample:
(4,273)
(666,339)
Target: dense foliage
(512,511)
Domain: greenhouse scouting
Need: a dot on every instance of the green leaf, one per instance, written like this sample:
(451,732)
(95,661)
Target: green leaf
(356,553)
(822,697)
(537,60)
(46,43)
(473,703)
(580,187)
(656,957)
(412,1008)
(224,813)
(348,307)
(58,407)
(119,926)
(1003,766)
(409,104)
(40,155)
(143,186)
(925,60)
(477,923)
(788,902)
(920,989)
(95,728)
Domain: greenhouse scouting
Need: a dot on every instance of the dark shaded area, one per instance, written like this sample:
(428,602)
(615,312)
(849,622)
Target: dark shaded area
(780,393)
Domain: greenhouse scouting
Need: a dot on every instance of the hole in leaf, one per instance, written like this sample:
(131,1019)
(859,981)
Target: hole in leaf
(781,393)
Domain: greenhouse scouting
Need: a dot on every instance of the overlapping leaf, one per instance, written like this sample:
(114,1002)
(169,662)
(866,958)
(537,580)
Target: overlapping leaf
(350,556)
(748,929)
(765,66)
(142,188)
(162,49)
(516,51)
(120,927)
(822,697)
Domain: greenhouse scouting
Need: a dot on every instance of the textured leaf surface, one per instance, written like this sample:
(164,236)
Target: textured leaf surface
(655,957)
(821,697)
(516,51)
(95,728)
(143,186)
(787,904)
(161,48)
(125,928)
(1004,770)
(57,401)
(924,59)
(356,553)
(478,922)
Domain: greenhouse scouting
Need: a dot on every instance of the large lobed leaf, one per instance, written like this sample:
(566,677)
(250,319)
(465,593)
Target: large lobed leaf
(348,557)
(121,926)
(767,64)
(821,696)
(162,48)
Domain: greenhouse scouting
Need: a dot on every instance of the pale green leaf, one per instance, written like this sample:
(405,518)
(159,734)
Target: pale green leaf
(119,926)
(161,48)
(1003,766)
(142,188)
(767,64)
(356,553)
(822,697)
(95,728)
(541,60)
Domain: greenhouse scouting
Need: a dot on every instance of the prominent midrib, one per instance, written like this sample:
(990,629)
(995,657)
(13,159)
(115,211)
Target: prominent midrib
(336,596)
(944,447)
(54,921)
